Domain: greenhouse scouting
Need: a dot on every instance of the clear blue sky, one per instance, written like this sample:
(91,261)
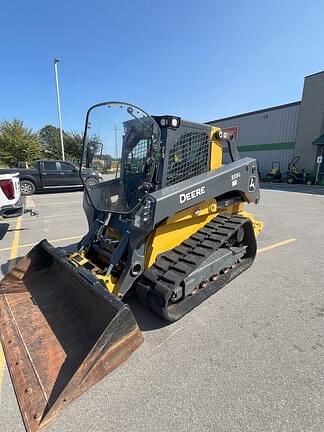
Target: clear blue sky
(198,59)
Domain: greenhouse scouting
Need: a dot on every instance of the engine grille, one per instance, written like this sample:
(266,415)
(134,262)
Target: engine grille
(137,156)
(188,158)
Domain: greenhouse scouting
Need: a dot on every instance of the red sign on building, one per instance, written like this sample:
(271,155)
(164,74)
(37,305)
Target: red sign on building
(233,130)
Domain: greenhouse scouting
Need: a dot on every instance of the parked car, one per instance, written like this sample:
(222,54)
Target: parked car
(10,197)
(53,174)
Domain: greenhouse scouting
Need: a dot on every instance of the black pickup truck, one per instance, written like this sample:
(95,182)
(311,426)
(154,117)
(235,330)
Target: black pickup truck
(53,174)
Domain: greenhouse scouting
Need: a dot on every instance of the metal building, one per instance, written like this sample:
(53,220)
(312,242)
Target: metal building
(278,133)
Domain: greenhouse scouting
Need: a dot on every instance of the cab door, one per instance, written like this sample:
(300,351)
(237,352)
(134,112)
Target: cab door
(70,174)
(50,176)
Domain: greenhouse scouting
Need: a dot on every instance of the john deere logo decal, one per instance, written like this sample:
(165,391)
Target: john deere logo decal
(252,183)
(193,194)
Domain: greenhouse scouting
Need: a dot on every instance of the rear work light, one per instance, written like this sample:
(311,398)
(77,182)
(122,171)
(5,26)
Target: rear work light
(8,188)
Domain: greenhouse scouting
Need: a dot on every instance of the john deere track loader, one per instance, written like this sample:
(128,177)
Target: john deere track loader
(166,224)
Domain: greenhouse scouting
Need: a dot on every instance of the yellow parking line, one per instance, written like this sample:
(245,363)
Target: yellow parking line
(36,218)
(275,245)
(15,241)
(59,203)
(53,241)
(266,248)
(50,241)
(13,255)
(15,244)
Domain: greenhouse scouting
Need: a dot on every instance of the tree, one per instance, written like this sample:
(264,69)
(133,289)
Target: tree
(73,144)
(18,143)
(51,141)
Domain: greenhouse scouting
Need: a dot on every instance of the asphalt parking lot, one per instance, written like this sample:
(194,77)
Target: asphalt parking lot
(251,358)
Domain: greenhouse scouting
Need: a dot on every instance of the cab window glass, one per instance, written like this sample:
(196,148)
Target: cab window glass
(66,167)
(49,166)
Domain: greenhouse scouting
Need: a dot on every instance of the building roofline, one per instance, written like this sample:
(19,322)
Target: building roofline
(255,112)
(316,73)
(319,140)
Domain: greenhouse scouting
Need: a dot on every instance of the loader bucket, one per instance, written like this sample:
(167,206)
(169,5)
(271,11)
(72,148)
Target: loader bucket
(61,332)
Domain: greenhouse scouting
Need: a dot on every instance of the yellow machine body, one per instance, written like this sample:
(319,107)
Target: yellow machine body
(63,326)
(182,225)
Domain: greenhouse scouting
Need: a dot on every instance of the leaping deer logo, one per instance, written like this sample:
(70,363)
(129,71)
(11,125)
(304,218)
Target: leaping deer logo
(252,184)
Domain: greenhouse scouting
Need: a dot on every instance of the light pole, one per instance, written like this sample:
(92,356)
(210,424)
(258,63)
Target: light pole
(116,142)
(56,61)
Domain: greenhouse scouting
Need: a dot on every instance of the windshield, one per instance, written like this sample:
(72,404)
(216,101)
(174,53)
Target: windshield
(121,142)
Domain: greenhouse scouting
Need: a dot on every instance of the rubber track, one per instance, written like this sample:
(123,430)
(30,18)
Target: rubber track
(157,284)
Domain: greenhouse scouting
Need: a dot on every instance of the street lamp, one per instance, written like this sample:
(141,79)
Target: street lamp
(56,61)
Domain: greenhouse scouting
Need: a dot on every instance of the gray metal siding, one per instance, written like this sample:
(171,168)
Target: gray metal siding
(265,159)
(275,126)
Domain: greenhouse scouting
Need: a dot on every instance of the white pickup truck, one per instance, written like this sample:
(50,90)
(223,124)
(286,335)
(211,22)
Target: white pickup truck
(10,199)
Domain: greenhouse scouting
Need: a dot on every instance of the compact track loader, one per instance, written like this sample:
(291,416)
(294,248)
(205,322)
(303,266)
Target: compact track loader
(166,224)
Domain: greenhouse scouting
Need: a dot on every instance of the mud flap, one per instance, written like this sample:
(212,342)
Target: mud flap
(61,332)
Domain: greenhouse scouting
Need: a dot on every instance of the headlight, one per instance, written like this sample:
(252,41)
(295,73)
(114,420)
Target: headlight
(169,121)
(175,122)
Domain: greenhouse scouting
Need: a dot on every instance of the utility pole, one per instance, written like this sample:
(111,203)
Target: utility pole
(56,61)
